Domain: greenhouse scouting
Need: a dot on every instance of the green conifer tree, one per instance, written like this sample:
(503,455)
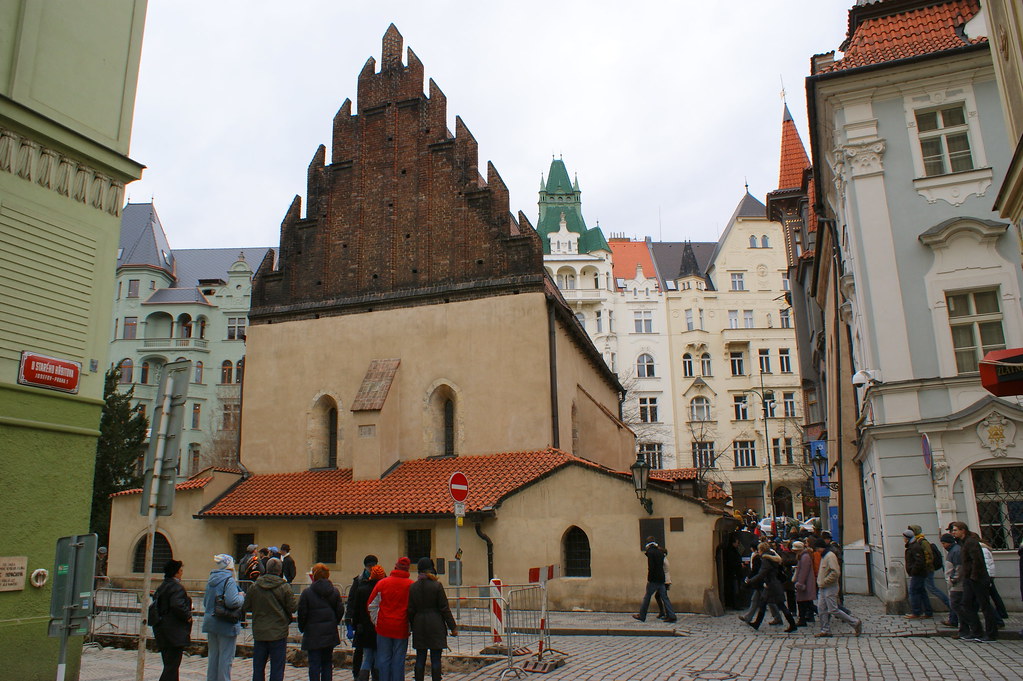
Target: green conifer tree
(122,440)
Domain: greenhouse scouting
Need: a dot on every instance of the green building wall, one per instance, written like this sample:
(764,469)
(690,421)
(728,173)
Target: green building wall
(68,74)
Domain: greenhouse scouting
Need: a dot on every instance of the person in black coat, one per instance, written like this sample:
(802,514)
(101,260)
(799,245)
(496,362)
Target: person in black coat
(774,591)
(173,631)
(430,617)
(320,611)
(365,631)
(289,571)
(367,563)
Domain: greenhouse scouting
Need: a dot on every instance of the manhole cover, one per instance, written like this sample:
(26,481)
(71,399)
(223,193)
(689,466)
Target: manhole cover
(808,646)
(712,675)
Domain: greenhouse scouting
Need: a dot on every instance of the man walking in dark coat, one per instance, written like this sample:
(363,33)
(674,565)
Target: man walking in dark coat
(976,587)
(289,570)
(655,582)
(173,631)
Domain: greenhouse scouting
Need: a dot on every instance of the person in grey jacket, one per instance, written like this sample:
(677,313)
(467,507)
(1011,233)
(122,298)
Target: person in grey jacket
(220,634)
(954,579)
(430,617)
(271,602)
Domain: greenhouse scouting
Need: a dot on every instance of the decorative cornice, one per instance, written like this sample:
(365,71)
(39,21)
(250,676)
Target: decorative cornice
(59,173)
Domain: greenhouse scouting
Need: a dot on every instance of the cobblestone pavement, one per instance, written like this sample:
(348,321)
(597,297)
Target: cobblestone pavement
(614,646)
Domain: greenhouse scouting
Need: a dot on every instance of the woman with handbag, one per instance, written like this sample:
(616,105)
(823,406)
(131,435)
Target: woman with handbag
(320,611)
(221,614)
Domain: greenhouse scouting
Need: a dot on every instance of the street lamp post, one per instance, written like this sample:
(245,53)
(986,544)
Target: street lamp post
(767,445)
(640,479)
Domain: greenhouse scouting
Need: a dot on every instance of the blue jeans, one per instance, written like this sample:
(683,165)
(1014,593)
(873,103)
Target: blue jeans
(932,588)
(919,603)
(391,658)
(656,588)
(369,656)
(219,657)
(321,664)
(275,651)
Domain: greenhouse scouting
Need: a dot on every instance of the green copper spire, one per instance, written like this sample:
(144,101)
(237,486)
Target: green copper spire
(559,195)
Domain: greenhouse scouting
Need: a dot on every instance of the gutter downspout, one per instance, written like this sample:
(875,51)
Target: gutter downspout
(553,364)
(490,549)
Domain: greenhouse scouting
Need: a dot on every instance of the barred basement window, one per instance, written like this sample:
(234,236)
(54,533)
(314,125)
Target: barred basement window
(326,546)
(999,494)
(161,554)
(418,544)
(577,553)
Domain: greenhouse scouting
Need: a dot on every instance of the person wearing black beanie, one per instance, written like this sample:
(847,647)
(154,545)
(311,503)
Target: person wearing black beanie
(430,615)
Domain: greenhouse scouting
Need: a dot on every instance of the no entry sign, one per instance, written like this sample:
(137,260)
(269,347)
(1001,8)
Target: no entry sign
(458,485)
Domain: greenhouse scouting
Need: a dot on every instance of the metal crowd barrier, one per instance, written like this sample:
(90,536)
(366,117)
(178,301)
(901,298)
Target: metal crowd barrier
(504,621)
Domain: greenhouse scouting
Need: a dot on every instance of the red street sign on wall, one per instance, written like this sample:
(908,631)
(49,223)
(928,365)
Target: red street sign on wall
(51,373)
(458,485)
(1001,372)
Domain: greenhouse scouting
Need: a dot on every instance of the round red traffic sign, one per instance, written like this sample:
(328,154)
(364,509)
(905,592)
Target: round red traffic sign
(458,485)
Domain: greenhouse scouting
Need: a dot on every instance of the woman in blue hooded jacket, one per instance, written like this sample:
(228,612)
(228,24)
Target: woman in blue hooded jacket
(220,634)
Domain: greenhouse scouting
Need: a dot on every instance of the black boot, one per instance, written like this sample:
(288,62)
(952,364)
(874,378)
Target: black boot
(435,674)
(419,673)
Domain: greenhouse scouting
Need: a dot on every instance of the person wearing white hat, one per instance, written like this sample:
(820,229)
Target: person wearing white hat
(221,632)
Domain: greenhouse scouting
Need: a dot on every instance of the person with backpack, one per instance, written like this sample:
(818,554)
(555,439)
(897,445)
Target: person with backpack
(250,567)
(271,602)
(170,616)
(919,564)
(221,624)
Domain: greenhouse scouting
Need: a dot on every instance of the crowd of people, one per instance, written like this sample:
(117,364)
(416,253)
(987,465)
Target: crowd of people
(381,613)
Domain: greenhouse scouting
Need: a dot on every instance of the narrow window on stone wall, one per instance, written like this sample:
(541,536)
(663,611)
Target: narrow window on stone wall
(418,544)
(577,553)
(226,371)
(332,438)
(449,428)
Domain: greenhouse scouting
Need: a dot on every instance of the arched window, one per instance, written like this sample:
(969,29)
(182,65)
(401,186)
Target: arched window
(645,366)
(687,365)
(161,553)
(331,438)
(705,364)
(442,425)
(226,370)
(753,241)
(763,242)
(576,547)
(144,373)
(449,427)
(197,373)
(127,370)
(699,409)
(239,370)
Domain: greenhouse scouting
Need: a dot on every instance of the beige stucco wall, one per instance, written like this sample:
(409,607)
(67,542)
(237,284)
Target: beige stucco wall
(492,352)
(527,532)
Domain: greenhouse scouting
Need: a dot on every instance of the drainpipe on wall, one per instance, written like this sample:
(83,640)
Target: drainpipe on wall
(490,550)
(553,357)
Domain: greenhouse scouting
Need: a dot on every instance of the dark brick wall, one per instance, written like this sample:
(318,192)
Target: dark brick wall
(401,212)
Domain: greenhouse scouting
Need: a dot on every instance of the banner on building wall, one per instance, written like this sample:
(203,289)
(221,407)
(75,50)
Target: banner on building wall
(1001,372)
(819,460)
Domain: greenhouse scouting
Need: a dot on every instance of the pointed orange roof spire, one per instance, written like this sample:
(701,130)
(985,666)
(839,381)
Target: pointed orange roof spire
(793,154)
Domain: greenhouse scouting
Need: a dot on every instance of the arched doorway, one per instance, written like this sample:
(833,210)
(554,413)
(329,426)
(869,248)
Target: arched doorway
(783,501)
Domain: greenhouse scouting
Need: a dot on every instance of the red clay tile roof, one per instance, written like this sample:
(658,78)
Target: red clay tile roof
(416,487)
(913,33)
(673,474)
(375,385)
(194,483)
(715,491)
(627,254)
(793,155)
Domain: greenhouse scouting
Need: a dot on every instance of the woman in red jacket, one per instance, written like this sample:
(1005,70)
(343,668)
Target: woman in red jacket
(388,608)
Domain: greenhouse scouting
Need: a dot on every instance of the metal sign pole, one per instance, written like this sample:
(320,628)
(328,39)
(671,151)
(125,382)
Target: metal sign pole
(69,600)
(147,577)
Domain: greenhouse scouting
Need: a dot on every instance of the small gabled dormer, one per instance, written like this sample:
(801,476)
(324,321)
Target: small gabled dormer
(564,242)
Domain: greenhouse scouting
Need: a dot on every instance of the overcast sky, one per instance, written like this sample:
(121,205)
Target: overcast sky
(662,109)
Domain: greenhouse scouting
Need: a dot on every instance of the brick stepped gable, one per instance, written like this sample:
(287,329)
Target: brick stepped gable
(401,216)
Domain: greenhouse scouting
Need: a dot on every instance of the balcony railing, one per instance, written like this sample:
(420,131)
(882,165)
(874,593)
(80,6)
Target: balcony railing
(200,344)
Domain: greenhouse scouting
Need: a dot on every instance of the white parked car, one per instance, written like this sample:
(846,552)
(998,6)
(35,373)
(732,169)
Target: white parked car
(810,524)
(782,525)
